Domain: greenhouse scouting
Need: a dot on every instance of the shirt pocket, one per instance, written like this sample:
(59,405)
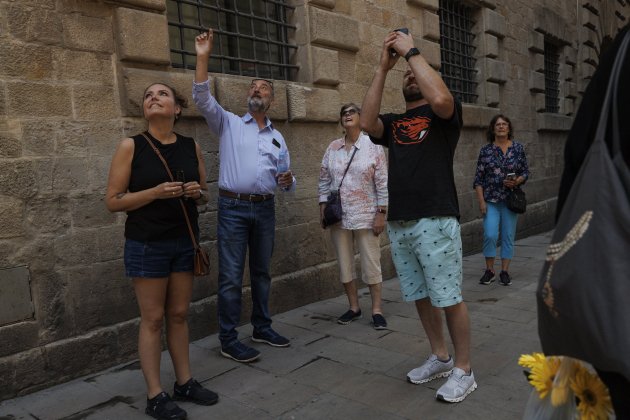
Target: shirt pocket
(270,150)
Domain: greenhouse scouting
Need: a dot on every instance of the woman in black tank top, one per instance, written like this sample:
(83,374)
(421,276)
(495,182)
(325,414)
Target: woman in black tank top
(158,247)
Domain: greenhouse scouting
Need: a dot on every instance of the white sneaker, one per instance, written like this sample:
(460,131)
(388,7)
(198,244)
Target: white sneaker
(458,386)
(431,369)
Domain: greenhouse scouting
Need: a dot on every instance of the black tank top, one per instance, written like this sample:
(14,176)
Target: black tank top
(161,219)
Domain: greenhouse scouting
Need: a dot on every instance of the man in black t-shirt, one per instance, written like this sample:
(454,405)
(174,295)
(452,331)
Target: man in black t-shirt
(423,224)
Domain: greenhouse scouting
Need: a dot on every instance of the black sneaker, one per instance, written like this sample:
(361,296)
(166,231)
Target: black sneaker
(270,337)
(487,278)
(378,322)
(162,407)
(193,391)
(348,317)
(240,352)
(504,278)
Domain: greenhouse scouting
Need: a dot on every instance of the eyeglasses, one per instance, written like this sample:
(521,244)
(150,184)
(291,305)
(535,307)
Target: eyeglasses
(349,112)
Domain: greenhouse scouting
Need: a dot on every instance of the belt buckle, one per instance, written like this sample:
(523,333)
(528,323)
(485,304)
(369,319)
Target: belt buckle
(252,197)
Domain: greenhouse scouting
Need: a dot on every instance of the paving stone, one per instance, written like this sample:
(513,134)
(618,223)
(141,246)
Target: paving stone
(11,410)
(115,411)
(326,374)
(205,364)
(281,361)
(329,406)
(226,408)
(124,381)
(411,326)
(400,342)
(359,355)
(268,392)
(62,400)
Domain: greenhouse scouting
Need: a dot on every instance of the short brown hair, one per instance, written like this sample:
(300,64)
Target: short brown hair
(493,121)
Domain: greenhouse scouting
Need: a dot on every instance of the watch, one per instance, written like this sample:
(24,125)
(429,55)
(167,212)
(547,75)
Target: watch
(381,211)
(412,51)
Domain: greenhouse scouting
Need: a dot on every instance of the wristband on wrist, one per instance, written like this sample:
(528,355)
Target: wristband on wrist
(383,211)
(412,51)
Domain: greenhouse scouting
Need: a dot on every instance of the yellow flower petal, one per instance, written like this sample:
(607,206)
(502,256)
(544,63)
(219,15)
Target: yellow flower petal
(543,375)
(531,360)
(594,400)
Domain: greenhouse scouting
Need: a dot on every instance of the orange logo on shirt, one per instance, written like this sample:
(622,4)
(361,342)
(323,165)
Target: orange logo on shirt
(411,130)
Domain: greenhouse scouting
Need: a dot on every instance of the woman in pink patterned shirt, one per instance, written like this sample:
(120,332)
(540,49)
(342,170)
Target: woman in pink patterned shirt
(364,201)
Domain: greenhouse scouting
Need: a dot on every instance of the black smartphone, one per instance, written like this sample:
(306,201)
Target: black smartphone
(179,177)
(404,31)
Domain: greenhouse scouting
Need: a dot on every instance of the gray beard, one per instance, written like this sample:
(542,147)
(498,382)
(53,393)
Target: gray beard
(256,105)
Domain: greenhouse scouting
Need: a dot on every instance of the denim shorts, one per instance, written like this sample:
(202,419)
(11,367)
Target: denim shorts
(157,259)
(427,254)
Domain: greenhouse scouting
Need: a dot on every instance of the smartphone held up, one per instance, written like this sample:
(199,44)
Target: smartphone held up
(404,31)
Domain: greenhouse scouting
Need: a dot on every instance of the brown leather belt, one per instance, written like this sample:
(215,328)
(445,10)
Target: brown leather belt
(254,198)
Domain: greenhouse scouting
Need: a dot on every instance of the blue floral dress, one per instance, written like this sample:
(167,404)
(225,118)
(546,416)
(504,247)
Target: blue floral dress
(493,166)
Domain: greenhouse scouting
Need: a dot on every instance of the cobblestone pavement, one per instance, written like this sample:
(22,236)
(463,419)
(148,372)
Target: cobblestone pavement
(334,371)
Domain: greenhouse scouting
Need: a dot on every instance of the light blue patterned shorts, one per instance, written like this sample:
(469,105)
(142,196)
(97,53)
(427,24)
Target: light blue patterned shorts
(427,254)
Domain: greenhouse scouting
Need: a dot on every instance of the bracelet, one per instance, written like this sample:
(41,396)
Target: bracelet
(383,211)
(202,196)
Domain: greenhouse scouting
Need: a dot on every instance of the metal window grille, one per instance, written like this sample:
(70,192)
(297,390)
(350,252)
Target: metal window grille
(251,37)
(457,50)
(552,77)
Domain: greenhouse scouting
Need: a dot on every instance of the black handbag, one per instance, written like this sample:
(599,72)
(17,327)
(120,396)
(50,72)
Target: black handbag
(333,210)
(516,201)
(583,289)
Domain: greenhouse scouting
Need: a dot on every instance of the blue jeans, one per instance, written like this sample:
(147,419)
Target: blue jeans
(498,215)
(243,224)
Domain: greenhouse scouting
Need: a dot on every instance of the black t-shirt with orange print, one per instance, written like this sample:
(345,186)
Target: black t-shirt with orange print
(421,151)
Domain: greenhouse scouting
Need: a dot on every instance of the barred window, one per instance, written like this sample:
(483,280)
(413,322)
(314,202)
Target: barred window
(457,50)
(252,37)
(552,77)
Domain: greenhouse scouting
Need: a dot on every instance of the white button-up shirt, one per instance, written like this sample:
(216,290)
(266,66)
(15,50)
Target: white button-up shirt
(365,185)
(248,155)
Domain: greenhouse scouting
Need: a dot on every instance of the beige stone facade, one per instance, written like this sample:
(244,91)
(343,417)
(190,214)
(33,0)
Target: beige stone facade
(71,79)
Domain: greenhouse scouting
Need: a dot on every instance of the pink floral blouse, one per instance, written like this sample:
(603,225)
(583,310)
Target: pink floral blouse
(365,185)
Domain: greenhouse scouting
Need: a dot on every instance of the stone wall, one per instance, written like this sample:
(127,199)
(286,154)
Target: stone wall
(71,77)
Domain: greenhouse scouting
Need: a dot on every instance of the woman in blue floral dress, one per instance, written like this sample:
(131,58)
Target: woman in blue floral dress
(502,165)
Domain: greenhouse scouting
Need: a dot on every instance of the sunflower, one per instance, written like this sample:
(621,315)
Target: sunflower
(593,395)
(561,391)
(543,374)
(531,360)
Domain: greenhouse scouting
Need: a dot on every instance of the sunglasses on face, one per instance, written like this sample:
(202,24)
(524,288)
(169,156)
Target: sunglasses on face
(348,112)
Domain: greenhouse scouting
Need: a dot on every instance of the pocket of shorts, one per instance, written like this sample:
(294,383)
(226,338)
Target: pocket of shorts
(450,227)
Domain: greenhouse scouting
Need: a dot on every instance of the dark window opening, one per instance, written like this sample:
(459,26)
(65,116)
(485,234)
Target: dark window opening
(552,77)
(251,37)
(457,50)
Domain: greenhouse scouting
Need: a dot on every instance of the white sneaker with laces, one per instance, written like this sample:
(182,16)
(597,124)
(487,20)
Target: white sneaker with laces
(431,369)
(458,386)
